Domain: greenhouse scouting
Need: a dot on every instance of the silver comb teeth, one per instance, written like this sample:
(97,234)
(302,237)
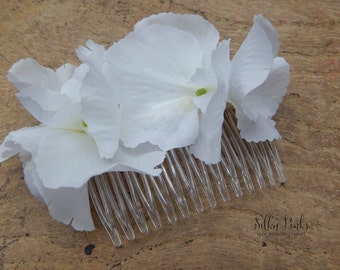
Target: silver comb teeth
(123,197)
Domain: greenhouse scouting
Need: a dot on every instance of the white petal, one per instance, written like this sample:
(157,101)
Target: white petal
(99,110)
(7,150)
(99,104)
(270,31)
(67,205)
(65,72)
(204,31)
(67,158)
(57,109)
(37,96)
(41,102)
(24,139)
(92,54)
(31,179)
(152,69)
(70,206)
(68,117)
(156,52)
(208,144)
(169,125)
(264,100)
(71,87)
(251,64)
(143,159)
(39,88)
(27,72)
(221,64)
(259,130)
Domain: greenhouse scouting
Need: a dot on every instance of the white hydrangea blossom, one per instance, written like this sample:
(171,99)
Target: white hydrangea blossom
(171,75)
(78,136)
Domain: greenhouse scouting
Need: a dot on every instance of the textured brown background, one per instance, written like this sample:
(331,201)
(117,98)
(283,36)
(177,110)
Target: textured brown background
(221,238)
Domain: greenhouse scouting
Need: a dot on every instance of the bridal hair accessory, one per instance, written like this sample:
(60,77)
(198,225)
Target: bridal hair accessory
(161,116)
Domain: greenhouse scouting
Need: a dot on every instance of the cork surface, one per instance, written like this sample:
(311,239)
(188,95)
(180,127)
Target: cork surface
(305,210)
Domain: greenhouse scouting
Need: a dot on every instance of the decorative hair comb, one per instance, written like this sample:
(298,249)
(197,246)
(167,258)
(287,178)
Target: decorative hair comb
(161,116)
(121,198)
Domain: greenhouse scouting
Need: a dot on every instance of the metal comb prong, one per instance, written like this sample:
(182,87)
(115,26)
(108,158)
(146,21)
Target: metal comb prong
(119,197)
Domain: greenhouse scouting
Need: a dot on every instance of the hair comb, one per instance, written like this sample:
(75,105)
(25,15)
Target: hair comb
(125,199)
(160,124)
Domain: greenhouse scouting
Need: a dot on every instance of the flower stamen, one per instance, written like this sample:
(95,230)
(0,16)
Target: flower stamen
(201,91)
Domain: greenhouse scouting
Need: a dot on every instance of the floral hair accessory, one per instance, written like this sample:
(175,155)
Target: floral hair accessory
(171,74)
(164,86)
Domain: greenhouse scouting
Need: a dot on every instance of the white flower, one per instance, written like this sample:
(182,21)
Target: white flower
(77,139)
(168,76)
(258,82)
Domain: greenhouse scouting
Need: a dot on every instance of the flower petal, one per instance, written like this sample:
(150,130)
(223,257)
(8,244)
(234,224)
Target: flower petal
(65,72)
(155,52)
(152,68)
(221,64)
(32,179)
(264,100)
(70,206)
(62,158)
(144,158)
(27,72)
(71,87)
(93,54)
(68,158)
(169,125)
(68,117)
(100,111)
(254,131)
(65,158)
(203,30)
(270,31)
(67,205)
(252,62)
(22,140)
(208,144)
(41,102)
